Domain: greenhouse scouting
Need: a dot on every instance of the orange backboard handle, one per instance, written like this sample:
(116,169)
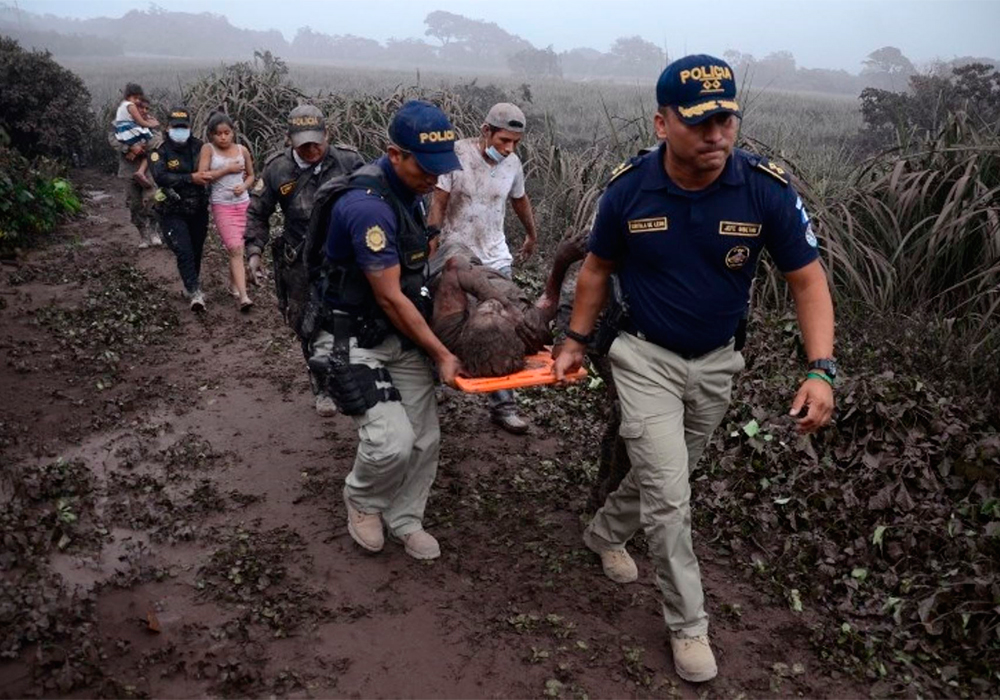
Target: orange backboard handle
(537,372)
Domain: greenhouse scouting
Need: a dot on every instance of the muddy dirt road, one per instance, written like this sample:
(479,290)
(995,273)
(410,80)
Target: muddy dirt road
(173,525)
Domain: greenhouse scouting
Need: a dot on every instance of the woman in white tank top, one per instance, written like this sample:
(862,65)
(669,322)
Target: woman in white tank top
(232,169)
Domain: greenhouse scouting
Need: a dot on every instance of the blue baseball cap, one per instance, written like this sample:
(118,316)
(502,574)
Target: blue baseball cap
(424,130)
(697,87)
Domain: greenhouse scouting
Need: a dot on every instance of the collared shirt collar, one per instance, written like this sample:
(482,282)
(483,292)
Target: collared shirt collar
(401,190)
(655,175)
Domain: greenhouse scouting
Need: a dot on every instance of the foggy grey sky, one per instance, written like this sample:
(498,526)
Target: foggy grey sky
(830,34)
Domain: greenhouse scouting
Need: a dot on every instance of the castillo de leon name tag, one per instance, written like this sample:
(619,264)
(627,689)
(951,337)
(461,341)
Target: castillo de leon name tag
(658,223)
(738,228)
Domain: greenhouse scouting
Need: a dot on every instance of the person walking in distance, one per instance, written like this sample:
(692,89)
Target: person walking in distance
(289,183)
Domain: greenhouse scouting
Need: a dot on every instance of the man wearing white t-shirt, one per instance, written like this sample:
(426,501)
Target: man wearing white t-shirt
(469,207)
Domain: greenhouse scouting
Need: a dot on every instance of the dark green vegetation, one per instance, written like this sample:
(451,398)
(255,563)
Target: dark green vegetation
(45,117)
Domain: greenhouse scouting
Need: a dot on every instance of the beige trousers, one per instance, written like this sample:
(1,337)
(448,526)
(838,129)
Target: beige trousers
(399,441)
(670,406)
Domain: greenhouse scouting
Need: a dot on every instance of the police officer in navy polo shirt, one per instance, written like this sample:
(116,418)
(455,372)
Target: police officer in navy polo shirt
(372,276)
(683,227)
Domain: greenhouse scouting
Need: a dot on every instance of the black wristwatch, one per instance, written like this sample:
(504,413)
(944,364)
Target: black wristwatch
(579,337)
(827,365)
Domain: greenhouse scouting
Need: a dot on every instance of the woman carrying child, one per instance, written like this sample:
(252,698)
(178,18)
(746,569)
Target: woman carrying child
(133,129)
(231,168)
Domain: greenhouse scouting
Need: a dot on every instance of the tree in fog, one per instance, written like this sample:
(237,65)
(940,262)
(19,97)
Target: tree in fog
(633,55)
(536,63)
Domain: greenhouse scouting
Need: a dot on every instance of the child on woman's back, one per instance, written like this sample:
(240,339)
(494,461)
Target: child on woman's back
(133,129)
(232,175)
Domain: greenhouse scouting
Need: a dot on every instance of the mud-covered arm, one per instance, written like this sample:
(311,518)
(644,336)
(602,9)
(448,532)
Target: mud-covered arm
(449,297)
(571,249)
(263,202)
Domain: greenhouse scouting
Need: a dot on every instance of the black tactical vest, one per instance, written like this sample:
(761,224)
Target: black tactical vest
(343,285)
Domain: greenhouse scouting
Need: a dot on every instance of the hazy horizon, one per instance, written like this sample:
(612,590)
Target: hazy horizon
(834,35)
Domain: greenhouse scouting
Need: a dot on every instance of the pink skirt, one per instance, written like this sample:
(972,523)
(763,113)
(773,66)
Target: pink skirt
(231,220)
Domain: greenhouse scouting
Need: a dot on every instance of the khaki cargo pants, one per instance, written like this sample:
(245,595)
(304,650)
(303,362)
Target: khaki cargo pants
(670,406)
(399,441)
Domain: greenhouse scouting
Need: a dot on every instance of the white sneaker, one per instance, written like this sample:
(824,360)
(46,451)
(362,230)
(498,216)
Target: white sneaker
(325,406)
(198,301)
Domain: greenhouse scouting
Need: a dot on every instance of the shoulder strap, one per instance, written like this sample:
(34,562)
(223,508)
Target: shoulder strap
(772,169)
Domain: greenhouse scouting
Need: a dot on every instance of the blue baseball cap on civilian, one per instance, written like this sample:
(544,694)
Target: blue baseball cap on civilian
(698,87)
(423,129)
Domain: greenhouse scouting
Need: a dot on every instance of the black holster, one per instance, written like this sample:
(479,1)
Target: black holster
(354,388)
(615,317)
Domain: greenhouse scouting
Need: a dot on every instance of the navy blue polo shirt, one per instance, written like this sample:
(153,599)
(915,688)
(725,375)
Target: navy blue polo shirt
(686,259)
(363,225)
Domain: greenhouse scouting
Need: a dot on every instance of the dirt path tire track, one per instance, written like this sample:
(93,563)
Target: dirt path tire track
(219,489)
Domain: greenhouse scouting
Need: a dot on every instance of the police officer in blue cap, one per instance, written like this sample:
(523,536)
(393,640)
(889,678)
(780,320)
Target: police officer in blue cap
(683,227)
(374,346)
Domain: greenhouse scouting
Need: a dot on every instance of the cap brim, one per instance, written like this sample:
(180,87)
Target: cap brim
(301,138)
(697,112)
(437,163)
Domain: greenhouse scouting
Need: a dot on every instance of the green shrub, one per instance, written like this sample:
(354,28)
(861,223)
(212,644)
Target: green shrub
(44,108)
(33,199)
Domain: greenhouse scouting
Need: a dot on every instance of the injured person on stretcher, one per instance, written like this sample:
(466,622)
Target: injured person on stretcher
(485,319)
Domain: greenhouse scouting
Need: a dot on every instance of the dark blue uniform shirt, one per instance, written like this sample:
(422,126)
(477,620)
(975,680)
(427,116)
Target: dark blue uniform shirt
(363,225)
(686,259)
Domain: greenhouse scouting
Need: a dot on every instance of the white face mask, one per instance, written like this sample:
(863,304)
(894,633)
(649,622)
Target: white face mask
(493,154)
(179,134)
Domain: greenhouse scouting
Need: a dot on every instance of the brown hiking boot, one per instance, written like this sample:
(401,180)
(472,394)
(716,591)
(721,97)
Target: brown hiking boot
(365,528)
(618,564)
(693,657)
(421,545)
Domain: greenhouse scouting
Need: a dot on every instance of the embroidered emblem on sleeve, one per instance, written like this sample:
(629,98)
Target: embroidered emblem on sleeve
(286,188)
(375,239)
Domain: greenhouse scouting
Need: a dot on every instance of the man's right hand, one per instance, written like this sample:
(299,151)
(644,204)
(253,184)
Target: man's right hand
(200,178)
(448,369)
(569,360)
(256,269)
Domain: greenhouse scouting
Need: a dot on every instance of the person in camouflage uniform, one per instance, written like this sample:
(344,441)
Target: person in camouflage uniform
(138,199)
(289,181)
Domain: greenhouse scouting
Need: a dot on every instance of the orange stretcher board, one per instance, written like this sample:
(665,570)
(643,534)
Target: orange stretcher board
(537,372)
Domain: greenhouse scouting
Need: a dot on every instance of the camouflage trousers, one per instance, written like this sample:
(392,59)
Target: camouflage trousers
(139,202)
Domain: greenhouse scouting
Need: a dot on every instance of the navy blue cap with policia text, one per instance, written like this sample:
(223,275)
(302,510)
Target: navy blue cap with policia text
(698,87)
(423,129)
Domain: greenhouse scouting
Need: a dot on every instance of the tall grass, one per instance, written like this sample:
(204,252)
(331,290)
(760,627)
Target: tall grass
(911,230)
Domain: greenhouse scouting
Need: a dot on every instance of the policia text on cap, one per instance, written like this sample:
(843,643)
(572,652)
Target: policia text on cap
(683,227)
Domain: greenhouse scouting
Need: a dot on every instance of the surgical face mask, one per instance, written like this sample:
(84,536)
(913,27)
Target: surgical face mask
(493,154)
(179,134)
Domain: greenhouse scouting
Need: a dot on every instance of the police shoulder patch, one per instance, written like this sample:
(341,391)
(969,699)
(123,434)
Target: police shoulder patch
(620,170)
(286,188)
(375,239)
(774,170)
(154,156)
